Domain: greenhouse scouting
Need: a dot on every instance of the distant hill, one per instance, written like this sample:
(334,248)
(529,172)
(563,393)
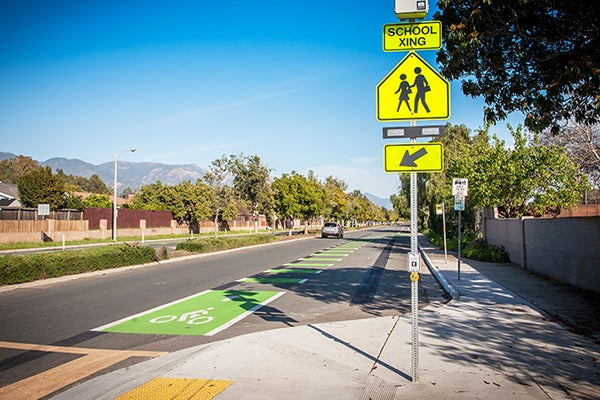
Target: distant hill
(130,174)
(6,156)
(379,201)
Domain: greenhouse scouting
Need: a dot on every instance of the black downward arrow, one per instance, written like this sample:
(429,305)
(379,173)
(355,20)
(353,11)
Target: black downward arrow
(409,159)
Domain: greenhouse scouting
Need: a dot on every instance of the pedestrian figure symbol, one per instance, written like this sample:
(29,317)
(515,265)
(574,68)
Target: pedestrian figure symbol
(422,87)
(404,90)
(413,90)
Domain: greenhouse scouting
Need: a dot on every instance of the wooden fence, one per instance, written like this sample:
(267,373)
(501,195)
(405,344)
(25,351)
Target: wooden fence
(27,226)
(31,214)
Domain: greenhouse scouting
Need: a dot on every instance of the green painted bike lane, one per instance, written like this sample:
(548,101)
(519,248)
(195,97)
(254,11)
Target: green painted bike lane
(213,311)
(205,313)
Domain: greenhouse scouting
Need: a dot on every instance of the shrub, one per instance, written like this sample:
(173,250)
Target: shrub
(31,267)
(475,249)
(223,243)
(481,251)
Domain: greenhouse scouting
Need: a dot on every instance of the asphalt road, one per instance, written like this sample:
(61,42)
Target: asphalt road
(371,281)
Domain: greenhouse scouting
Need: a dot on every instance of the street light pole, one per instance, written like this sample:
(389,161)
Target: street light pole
(115,211)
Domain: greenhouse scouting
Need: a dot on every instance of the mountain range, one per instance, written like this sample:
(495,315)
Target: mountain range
(136,174)
(130,174)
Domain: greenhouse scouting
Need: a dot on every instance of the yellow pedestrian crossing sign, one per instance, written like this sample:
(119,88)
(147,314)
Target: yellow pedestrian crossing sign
(413,90)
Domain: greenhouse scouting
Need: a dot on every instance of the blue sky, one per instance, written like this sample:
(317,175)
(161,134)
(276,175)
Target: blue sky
(188,81)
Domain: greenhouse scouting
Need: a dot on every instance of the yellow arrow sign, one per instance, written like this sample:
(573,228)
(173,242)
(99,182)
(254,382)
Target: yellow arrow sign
(413,90)
(414,157)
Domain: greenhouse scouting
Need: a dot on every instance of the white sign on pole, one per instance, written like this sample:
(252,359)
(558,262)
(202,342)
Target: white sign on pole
(460,187)
(414,262)
(43,209)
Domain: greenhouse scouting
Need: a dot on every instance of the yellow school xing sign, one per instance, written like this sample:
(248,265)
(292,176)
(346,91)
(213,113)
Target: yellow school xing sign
(414,157)
(413,90)
(426,35)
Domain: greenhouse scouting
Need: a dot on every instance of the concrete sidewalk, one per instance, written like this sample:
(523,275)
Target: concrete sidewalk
(488,343)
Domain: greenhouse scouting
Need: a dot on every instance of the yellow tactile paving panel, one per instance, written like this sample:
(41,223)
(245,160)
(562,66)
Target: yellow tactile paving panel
(177,389)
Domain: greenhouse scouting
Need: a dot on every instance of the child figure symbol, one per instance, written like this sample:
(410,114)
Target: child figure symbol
(404,90)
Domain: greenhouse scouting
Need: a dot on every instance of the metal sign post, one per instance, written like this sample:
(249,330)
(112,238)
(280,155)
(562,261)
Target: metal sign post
(459,205)
(440,209)
(459,212)
(414,284)
(460,189)
(396,101)
(43,210)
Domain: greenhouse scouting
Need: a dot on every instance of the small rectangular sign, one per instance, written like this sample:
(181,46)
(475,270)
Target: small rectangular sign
(414,262)
(460,187)
(413,131)
(459,203)
(43,209)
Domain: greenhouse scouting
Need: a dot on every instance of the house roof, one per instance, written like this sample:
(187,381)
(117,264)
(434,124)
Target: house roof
(9,189)
(9,195)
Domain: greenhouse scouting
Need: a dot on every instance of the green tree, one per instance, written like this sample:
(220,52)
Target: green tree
(582,144)
(188,202)
(41,186)
(95,185)
(530,179)
(154,196)
(540,57)
(252,185)
(73,202)
(335,198)
(97,201)
(401,205)
(13,168)
(74,183)
(297,196)
(360,209)
(222,196)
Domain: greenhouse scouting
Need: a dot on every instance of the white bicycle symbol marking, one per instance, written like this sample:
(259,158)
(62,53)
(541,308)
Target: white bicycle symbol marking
(192,318)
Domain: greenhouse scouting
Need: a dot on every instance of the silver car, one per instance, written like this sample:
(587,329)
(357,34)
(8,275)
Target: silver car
(332,229)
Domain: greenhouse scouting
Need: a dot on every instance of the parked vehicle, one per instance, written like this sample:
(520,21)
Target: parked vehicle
(332,229)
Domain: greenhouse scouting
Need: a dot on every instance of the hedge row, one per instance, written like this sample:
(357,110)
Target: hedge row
(31,267)
(223,243)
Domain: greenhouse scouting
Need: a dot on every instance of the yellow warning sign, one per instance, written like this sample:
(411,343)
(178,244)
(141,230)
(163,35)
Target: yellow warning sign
(413,90)
(426,35)
(414,157)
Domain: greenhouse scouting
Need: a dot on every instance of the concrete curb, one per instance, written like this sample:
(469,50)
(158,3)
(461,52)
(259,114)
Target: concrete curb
(448,287)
